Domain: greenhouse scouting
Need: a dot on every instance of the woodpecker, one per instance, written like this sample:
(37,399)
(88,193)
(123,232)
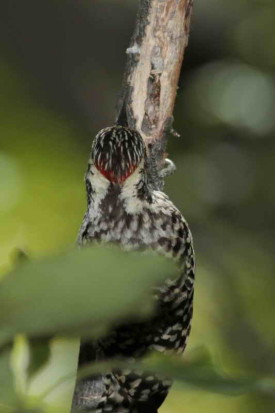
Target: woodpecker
(124,209)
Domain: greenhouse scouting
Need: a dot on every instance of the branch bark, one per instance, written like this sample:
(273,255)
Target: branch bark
(146,104)
(153,67)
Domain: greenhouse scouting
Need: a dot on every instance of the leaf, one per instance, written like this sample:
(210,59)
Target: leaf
(23,409)
(82,291)
(7,392)
(202,373)
(39,355)
(19,256)
(198,373)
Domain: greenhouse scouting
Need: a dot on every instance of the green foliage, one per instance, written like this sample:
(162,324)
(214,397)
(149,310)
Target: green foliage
(7,391)
(57,91)
(82,291)
(202,373)
(86,291)
(39,355)
(199,372)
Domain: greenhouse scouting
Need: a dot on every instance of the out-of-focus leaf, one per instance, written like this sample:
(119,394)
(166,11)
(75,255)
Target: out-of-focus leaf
(199,373)
(23,409)
(203,374)
(83,289)
(7,392)
(39,355)
(19,256)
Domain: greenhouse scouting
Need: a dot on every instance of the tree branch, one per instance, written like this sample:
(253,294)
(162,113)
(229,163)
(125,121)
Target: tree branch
(146,103)
(152,71)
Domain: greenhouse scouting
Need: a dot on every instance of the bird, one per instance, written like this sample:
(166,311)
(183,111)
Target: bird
(124,209)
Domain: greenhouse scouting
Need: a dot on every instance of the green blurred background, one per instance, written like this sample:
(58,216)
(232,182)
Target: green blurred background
(61,66)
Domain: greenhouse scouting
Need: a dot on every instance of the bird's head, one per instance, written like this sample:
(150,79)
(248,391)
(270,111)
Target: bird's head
(117,152)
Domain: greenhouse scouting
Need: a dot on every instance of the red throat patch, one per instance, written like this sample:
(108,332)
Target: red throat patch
(114,176)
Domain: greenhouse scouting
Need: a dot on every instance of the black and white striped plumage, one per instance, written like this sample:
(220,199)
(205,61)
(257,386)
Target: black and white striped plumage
(123,209)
